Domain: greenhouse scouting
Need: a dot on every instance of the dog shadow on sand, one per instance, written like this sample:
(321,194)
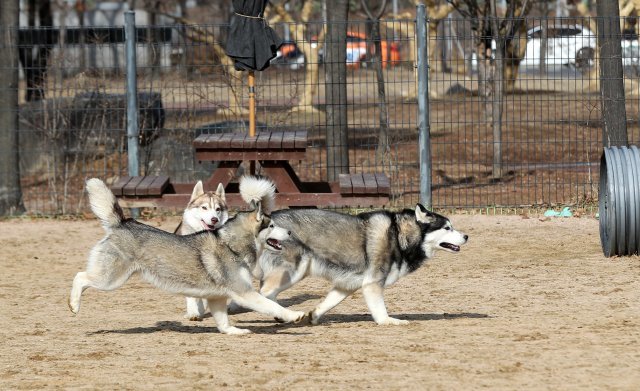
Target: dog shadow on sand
(269,327)
(179,327)
(357,318)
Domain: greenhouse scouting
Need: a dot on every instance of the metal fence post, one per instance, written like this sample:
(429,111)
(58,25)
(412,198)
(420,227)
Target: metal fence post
(132,97)
(424,128)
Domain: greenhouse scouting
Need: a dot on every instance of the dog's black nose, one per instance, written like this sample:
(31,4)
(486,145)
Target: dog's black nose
(288,232)
(466,237)
(214,220)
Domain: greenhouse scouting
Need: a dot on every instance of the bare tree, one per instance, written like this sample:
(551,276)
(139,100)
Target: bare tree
(336,91)
(502,31)
(10,191)
(373,32)
(35,52)
(310,50)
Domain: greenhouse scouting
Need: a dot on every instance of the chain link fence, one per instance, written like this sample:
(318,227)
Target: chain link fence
(72,108)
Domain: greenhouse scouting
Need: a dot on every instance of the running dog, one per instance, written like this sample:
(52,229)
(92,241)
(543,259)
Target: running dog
(206,211)
(370,251)
(213,265)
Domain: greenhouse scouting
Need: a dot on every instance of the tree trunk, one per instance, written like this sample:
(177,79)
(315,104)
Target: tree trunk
(336,91)
(498,92)
(35,64)
(10,191)
(614,116)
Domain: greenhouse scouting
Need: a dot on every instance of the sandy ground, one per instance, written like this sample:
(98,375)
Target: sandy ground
(527,304)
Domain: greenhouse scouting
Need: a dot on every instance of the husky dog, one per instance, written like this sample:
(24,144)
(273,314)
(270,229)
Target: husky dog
(213,265)
(206,211)
(370,251)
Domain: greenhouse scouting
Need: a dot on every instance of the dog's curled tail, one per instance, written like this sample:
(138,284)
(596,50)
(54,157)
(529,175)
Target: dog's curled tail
(103,203)
(254,189)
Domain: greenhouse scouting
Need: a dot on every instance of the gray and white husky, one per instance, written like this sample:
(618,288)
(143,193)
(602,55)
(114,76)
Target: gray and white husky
(370,251)
(213,265)
(206,211)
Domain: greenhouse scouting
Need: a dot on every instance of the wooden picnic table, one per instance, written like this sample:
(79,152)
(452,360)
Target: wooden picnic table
(273,151)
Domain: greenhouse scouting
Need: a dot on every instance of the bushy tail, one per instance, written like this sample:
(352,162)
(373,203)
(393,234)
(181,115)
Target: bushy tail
(103,203)
(254,189)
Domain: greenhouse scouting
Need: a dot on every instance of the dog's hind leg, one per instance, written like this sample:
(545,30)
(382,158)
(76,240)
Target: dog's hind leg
(80,283)
(218,307)
(256,302)
(195,309)
(372,293)
(103,272)
(334,297)
(274,283)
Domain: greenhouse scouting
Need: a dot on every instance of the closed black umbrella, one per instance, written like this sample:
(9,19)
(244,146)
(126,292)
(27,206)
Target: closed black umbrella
(252,44)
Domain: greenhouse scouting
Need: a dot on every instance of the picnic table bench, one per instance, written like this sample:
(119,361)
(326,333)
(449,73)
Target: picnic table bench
(273,151)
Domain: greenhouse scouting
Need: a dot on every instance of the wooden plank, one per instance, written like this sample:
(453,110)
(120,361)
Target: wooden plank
(275,142)
(249,142)
(370,184)
(116,188)
(237,142)
(345,184)
(143,187)
(301,139)
(243,154)
(384,187)
(200,141)
(262,141)
(225,141)
(130,188)
(158,185)
(358,184)
(288,140)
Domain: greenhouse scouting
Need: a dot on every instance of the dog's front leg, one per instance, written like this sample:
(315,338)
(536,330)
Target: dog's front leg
(218,307)
(373,295)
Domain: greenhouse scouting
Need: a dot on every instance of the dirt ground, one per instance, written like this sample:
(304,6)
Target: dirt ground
(529,303)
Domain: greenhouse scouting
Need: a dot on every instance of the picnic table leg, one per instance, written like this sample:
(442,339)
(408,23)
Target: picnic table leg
(225,172)
(283,176)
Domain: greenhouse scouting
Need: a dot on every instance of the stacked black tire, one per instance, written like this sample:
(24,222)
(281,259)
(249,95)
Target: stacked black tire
(619,201)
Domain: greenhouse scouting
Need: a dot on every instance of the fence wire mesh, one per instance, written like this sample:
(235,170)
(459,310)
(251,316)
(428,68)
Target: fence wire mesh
(72,107)
(545,147)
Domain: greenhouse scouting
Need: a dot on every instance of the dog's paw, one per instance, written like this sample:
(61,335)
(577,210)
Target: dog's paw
(74,307)
(297,317)
(234,331)
(313,318)
(393,322)
(194,317)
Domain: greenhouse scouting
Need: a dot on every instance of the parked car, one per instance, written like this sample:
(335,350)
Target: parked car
(570,44)
(359,50)
(289,54)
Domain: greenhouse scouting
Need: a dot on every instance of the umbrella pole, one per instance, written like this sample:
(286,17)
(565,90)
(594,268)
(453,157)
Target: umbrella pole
(252,114)
(252,104)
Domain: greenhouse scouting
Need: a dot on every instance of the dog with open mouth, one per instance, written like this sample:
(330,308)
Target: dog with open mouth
(206,211)
(367,251)
(215,265)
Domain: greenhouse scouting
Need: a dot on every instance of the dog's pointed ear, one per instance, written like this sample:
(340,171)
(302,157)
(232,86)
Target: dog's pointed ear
(423,215)
(220,191)
(197,191)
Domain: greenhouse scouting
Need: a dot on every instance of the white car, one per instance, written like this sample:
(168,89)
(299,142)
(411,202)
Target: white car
(570,44)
